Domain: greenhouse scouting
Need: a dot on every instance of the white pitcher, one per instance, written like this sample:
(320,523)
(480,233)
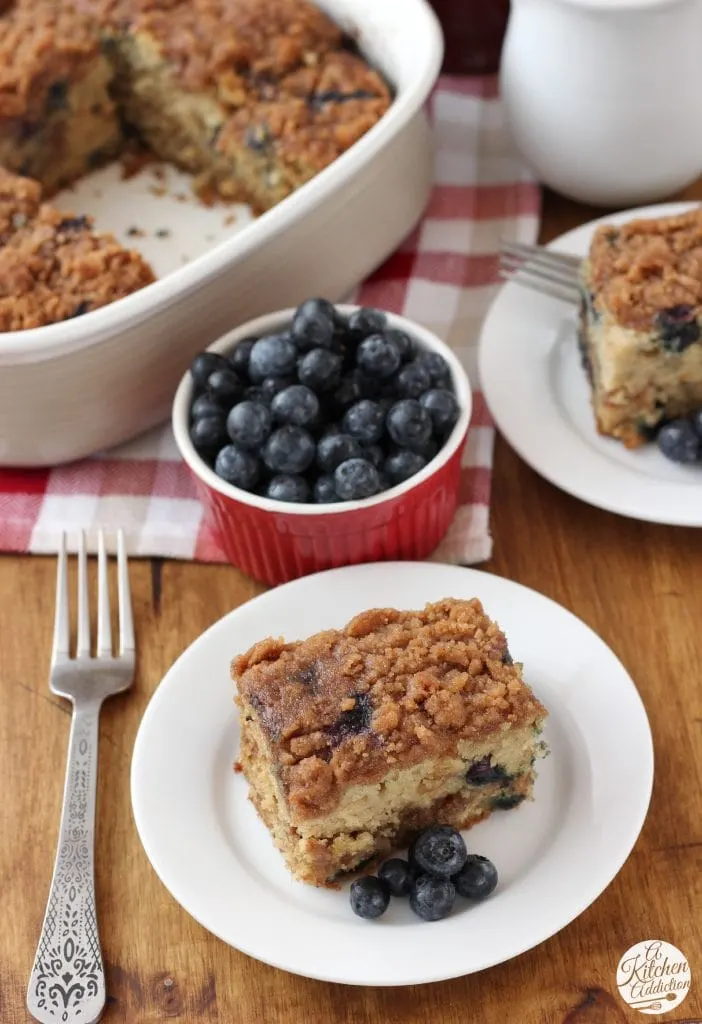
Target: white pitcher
(604,97)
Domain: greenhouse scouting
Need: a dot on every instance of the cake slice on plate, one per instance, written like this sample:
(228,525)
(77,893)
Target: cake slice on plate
(641,324)
(354,740)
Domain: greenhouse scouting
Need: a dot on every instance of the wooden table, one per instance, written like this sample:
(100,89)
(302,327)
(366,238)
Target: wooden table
(635,584)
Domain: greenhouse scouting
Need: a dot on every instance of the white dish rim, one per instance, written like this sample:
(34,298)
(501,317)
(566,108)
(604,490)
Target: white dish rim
(272,322)
(653,500)
(69,335)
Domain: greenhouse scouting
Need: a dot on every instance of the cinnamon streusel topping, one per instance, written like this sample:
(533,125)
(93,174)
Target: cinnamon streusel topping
(647,266)
(390,690)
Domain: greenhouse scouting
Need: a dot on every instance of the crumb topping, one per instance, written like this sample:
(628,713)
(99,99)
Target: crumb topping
(212,42)
(312,116)
(52,265)
(42,44)
(646,267)
(389,690)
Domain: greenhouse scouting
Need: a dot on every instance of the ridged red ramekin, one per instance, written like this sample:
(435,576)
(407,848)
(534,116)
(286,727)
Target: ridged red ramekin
(275,541)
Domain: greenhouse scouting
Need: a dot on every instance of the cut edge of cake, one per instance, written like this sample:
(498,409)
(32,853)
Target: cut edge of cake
(333,808)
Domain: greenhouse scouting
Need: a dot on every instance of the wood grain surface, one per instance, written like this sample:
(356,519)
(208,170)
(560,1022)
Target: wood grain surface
(637,585)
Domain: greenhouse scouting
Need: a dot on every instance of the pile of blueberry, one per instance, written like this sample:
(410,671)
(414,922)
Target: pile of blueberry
(438,867)
(680,440)
(333,409)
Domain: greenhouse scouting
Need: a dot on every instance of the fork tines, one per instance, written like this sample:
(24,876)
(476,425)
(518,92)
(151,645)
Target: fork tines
(542,270)
(61,645)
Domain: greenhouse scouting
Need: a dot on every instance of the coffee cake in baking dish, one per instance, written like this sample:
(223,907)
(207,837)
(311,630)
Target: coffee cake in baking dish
(53,266)
(254,96)
(641,324)
(355,739)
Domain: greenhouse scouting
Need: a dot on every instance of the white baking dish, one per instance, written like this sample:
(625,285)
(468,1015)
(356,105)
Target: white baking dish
(78,387)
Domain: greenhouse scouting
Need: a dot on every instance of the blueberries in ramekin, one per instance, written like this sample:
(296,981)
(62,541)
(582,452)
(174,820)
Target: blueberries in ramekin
(335,408)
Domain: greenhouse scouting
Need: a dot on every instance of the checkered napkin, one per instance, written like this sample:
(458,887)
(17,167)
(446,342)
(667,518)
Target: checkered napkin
(443,276)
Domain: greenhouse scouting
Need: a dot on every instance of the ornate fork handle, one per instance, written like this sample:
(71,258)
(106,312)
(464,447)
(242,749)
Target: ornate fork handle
(67,982)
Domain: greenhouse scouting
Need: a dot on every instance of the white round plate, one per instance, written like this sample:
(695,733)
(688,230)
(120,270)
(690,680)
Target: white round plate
(554,856)
(537,392)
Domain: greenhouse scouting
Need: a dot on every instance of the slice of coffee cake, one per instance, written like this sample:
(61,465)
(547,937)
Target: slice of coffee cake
(355,739)
(641,324)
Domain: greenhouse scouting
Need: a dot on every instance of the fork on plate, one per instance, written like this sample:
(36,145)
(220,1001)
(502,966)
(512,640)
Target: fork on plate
(67,982)
(542,270)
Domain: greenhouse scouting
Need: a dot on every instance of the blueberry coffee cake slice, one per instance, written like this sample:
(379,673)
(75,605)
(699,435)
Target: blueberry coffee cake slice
(640,325)
(354,740)
(53,265)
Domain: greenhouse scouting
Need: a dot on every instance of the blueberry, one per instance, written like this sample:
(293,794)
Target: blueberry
(313,324)
(402,340)
(319,369)
(398,875)
(374,453)
(272,385)
(483,771)
(442,407)
(256,393)
(335,449)
(427,450)
(678,327)
(249,424)
(369,897)
(205,405)
(239,357)
(507,801)
(439,851)
(437,367)
(412,380)
(296,404)
(365,321)
(679,442)
(477,878)
(697,422)
(402,465)
(204,364)
(324,490)
(224,386)
(208,432)
(353,722)
(274,356)
(238,467)
(365,421)
(432,898)
(354,387)
(409,424)
(378,356)
(355,479)
(289,450)
(288,487)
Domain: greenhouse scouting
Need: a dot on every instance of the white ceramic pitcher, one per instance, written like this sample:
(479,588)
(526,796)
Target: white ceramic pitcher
(604,97)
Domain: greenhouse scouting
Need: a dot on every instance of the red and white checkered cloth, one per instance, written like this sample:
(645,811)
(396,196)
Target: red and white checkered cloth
(443,276)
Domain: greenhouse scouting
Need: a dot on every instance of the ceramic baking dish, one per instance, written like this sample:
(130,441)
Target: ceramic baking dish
(78,387)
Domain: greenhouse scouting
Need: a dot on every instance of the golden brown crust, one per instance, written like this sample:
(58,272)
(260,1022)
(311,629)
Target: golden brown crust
(211,42)
(390,690)
(646,267)
(52,265)
(41,44)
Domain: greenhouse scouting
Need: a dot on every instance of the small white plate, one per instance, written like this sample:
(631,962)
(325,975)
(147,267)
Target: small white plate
(554,856)
(537,393)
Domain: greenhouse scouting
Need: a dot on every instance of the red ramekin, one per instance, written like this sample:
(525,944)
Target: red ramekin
(276,541)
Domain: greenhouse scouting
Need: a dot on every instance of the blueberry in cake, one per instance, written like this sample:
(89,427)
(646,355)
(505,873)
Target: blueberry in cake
(355,740)
(640,327)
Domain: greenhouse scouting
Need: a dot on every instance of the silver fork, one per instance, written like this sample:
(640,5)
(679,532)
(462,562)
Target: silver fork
(67,982)
(542,270)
